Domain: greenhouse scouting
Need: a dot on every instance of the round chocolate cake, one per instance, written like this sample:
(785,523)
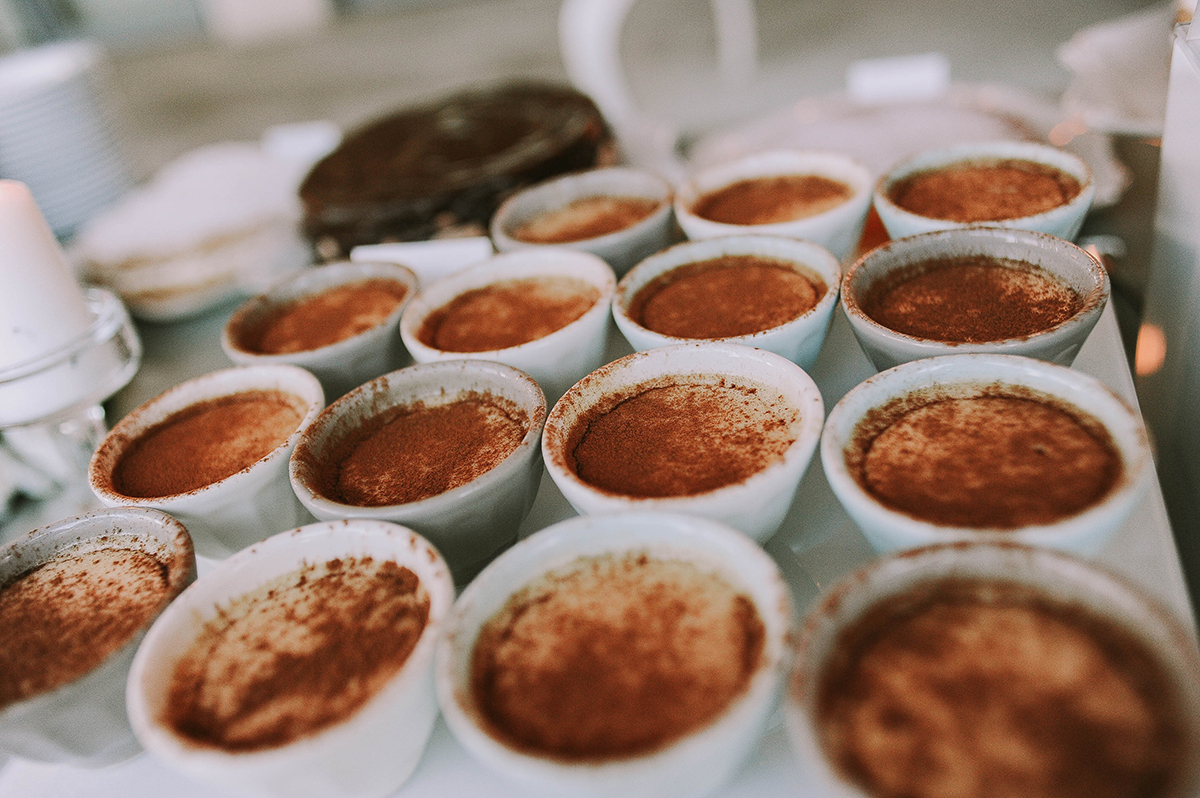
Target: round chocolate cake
(432,169)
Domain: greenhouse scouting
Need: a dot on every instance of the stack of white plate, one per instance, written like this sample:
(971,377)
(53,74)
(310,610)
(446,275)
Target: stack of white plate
(54,134)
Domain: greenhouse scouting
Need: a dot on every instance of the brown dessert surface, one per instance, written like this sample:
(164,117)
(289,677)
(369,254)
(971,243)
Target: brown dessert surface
(724,297)
(584,218)
(771,200)
(325,318)
(964,688)
(985,190)
(681,437)
(303,652)
(990,462)
(971,299)
(507,313)
(613,656)
(413,452)
(62,619)
(205,443)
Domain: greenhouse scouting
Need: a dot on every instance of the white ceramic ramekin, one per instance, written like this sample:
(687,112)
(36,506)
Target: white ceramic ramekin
(1063,221)
(1059,344)
(620,249)
(694,765)
(469,524)
(837,229)
(243,508)
(367,755)
(973,375)
(342,365)
(799,340)
(83,723)
(1062,578)
(557,360)
(757,504)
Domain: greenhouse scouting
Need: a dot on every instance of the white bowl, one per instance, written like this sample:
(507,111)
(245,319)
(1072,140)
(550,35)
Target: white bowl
(972,375)
(799,340)
(344,364)
(1063,221)
(83,722)
(368,754)
(469,524)
(837,229)
(694,765)
(243,508)
(757,504)
(1058,344)
(621,249)
(556,360)
(1064,579)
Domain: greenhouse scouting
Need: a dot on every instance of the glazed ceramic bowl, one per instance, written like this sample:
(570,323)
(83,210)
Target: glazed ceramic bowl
(863,413)
(1063,221)
(837,229)
(1059,344)
(798,340)
(692,765)
(620,249)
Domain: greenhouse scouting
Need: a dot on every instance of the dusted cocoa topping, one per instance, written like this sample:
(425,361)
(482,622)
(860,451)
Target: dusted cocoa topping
(333,315)
(507,313)
(589,217)
(770,200)
(725,297)
(301,653)
(971,299)
(412,452)
(614,656)
(65,617)
(989,461)
(964,688)
(680,438)
(206,442)
(985,190)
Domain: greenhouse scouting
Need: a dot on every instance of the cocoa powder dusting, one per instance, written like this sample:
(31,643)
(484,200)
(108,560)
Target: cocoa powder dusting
(300,654)
(985,190)
(999,462)
(62,619)
(971,299)
(613,656)
(588,217)
(507,313)
(963,688)
(412,452)
(725,297)
(323,319)
(770,200)
(681,439)
(206,442)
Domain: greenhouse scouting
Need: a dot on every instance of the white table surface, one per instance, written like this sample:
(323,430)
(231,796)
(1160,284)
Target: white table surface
(816,546)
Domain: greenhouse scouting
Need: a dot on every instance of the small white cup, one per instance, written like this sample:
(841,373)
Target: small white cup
(344,364)
(621,249)
(799,340)
(83,722)
(1062,578)
(367,755)
(837,229)
(973,375)
(692,766)
(243,508)
(556,360)
(757,504)
(1063,221)
(469,524)
(1059,344)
